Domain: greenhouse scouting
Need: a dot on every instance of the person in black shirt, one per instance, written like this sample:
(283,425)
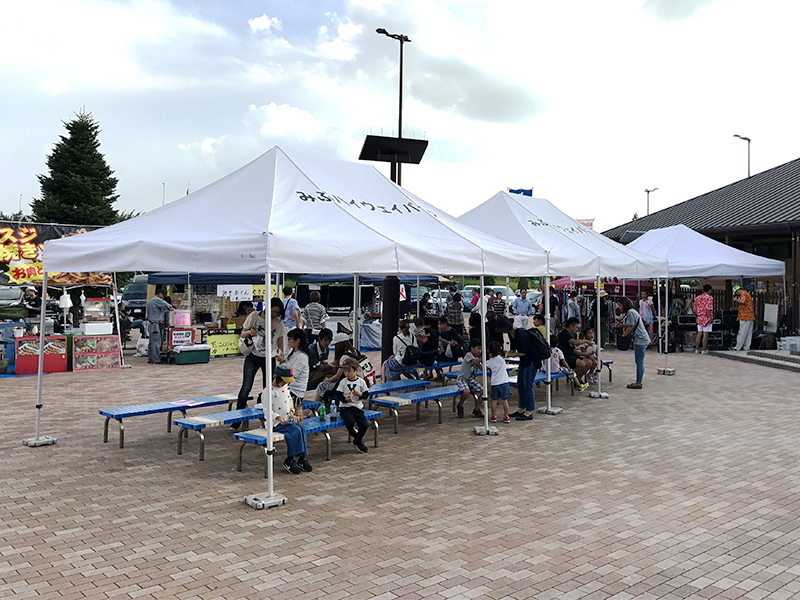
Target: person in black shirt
(32,302)
(567,342)
(449,338)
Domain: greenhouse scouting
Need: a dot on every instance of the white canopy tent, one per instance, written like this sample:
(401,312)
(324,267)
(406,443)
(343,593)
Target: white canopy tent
(694,255)
(572,249)
(299,214)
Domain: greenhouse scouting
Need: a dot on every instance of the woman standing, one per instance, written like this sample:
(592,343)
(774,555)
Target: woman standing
(255,329)
(646,310)
(634,325)
(393,367)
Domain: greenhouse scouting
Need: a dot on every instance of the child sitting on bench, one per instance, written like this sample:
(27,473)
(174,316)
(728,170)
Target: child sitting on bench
(353,390)
(286,422)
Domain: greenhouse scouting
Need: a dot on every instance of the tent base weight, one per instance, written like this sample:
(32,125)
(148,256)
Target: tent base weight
(258,502)
(666,371)
(481,430)
(602,395)
(44,440)
(549,411)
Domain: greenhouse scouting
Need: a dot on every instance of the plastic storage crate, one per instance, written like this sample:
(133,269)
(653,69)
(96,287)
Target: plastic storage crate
(192,357)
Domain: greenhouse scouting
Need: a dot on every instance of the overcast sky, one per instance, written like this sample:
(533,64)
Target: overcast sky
(589,102)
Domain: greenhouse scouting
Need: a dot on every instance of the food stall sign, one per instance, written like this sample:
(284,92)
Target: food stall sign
(223,345)
(236,293)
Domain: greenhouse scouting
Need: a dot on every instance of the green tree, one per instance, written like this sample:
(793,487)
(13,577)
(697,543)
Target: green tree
(17,216)
(81,187)
(523,283)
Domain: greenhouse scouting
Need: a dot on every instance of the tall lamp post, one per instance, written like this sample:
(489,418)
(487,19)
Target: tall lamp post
(748,140)
(395,174)
(648,198)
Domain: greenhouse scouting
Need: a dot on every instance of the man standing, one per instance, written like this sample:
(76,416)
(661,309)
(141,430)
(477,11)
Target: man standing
(704,310)
(291,309)
(573,309)
(521,308)
(554,309)
(157,310)
(32,302)
(746,318)
(455,313)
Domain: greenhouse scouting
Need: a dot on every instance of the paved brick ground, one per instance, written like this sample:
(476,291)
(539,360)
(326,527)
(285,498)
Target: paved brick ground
(685,489)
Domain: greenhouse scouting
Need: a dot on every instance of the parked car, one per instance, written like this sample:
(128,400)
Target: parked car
(499,290)
(134,298)
(439,301)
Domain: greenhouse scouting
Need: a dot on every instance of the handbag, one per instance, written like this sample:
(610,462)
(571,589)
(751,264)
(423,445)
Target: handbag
(246,345)
(412,353)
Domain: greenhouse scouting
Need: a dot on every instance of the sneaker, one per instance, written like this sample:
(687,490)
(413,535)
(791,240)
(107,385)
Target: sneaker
(478,413)
(697,351)
(361,447)
(506,419)
(304,464)
(516,413)
(493,419)
(291,466)
(705,352)
(259,405)
(524,417)
(582,387)
(460,411)
(235,426)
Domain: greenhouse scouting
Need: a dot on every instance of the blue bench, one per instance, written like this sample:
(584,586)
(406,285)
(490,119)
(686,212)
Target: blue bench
(231,417)
(138,410)
(541,377)
(437,366)
(401,385)
(607,364)
(418,397)
(258,437)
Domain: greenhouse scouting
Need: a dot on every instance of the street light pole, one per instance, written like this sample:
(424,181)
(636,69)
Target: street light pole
(648,198)
(395,174)
(748,140)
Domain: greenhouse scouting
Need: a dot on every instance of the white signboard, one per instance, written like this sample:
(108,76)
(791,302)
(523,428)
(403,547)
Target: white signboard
(236,293)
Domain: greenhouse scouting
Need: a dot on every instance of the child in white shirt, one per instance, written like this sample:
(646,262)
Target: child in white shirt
(557,363)
(353,390)
(286,422)
(589,351)
(501,384)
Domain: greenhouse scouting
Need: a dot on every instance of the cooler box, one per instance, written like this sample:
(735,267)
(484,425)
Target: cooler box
(192,355)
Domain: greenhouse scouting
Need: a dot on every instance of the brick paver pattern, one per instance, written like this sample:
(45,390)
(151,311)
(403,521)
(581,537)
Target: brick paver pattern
(687,488)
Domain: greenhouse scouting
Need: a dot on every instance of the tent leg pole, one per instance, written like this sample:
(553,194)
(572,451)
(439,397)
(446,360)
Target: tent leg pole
(598,322)
(356,341)
(548,384)
(116,315)
(270,499)
(40,440)
(485,429)
(666,370)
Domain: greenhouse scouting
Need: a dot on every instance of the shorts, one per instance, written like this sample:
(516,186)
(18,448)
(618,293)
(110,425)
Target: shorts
(707,328)
(571,360)
(501,392)
(470,384)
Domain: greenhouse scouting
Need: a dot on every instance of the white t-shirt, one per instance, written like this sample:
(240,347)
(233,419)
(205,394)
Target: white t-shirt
(497,365)
(300,369)
(255,320)
(278,331)
(399,345)
(555,361)
(347,388)
(282,405)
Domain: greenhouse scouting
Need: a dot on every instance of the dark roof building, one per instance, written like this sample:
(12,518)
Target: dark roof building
(760,214)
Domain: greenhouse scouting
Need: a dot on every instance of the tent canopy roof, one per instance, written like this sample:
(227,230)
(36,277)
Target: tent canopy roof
(692,254)
(294,215)
(574,249)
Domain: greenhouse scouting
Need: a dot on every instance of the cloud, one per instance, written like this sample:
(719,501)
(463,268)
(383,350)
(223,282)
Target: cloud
(280,120)
(341,47)
(265,23)
(675,10)
(449,84)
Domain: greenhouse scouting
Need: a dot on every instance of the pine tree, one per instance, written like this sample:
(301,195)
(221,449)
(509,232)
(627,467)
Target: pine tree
(523,283)
(80,188)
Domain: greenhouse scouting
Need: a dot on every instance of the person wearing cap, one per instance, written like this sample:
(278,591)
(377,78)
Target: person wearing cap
(286,422)
(157,310)
(32,302)
(744,306)
(342,349)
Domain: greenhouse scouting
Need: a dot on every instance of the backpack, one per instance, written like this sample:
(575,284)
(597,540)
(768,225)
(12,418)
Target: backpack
(412,354)
(541,349)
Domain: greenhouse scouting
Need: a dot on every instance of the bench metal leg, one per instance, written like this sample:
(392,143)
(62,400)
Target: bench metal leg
(202,445)
(169,421)
(556,384)
(327,445)
(105,430)
(376,427)
(239,460)
(396,419)
(455,400)
(418,405)
(121,433)
(439,403)
(609,374)
(180,440)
